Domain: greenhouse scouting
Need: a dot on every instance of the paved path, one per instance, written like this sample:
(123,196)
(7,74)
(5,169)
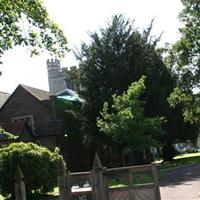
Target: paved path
(182,184)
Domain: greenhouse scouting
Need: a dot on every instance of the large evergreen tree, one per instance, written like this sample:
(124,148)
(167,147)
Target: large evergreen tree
(117,56)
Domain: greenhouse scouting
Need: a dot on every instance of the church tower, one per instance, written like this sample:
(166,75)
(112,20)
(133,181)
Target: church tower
(56,76)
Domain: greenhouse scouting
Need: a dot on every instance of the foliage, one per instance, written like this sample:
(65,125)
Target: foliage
(69,136)
(117,56)
(38,165)
(184,59)
(27,23)
(198,141)
(72,77)
(67,113)
(127,124)
(5,135)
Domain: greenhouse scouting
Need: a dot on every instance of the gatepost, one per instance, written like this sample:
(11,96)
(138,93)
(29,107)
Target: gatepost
(63,182)
(20,190)
(98,183)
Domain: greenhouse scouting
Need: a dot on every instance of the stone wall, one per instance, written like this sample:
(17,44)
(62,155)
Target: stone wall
(56,76)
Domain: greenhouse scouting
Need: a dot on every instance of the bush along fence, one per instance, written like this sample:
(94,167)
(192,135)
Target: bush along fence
(124,183)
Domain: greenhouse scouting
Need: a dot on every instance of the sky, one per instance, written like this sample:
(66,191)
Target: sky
(77,18)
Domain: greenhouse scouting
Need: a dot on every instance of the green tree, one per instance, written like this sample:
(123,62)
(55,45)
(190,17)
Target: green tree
(184,60)
(26,23)
(117,56)
(38,165)
(72,77)
(70,136)
(127,124)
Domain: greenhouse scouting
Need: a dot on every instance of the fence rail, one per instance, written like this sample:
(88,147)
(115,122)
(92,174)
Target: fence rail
(124,183)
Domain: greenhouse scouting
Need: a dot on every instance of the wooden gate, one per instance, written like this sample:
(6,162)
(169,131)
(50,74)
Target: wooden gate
(124,183)
(134,183)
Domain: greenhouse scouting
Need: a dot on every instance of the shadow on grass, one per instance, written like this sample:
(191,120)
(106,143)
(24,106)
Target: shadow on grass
(179,162)
(179,171)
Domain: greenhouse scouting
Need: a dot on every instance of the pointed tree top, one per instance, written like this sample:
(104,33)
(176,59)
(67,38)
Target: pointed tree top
(97,163)
(19,174)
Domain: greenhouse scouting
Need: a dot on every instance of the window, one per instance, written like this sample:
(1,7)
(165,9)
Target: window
(27,118)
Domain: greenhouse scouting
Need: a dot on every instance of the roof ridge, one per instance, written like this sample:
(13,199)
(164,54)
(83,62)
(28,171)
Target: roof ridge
(27,86)
(38,93)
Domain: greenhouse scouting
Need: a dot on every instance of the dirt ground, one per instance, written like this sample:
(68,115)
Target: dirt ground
(182,184)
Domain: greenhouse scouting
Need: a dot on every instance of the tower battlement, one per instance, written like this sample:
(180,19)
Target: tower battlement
(55,76)
(53,62)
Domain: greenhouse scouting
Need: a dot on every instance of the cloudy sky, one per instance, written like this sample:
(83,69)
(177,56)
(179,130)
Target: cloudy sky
(77,18)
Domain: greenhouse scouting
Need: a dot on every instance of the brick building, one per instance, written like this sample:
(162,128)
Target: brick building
(28,113)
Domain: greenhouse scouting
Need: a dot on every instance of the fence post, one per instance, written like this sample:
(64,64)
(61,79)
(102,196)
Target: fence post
(98,184)
(63,182)
(156,182)
(20,190)
(131,187)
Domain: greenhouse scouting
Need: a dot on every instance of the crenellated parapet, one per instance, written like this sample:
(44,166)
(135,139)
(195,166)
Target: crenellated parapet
(60,78)
(55,76)
(53,62)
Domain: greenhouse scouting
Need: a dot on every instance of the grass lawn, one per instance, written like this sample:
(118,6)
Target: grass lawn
(163,168)
(187,155)
(179,161)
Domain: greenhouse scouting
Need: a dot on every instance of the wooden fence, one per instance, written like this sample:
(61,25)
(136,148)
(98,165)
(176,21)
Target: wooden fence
(124,183)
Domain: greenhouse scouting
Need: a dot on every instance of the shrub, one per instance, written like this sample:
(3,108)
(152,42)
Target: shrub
(8,136)
(38,165)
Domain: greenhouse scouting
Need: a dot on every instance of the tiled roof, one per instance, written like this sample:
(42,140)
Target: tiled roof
(3,97)
(39,94)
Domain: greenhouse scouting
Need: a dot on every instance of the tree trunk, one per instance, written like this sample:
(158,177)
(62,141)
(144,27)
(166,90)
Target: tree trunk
(168,152)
